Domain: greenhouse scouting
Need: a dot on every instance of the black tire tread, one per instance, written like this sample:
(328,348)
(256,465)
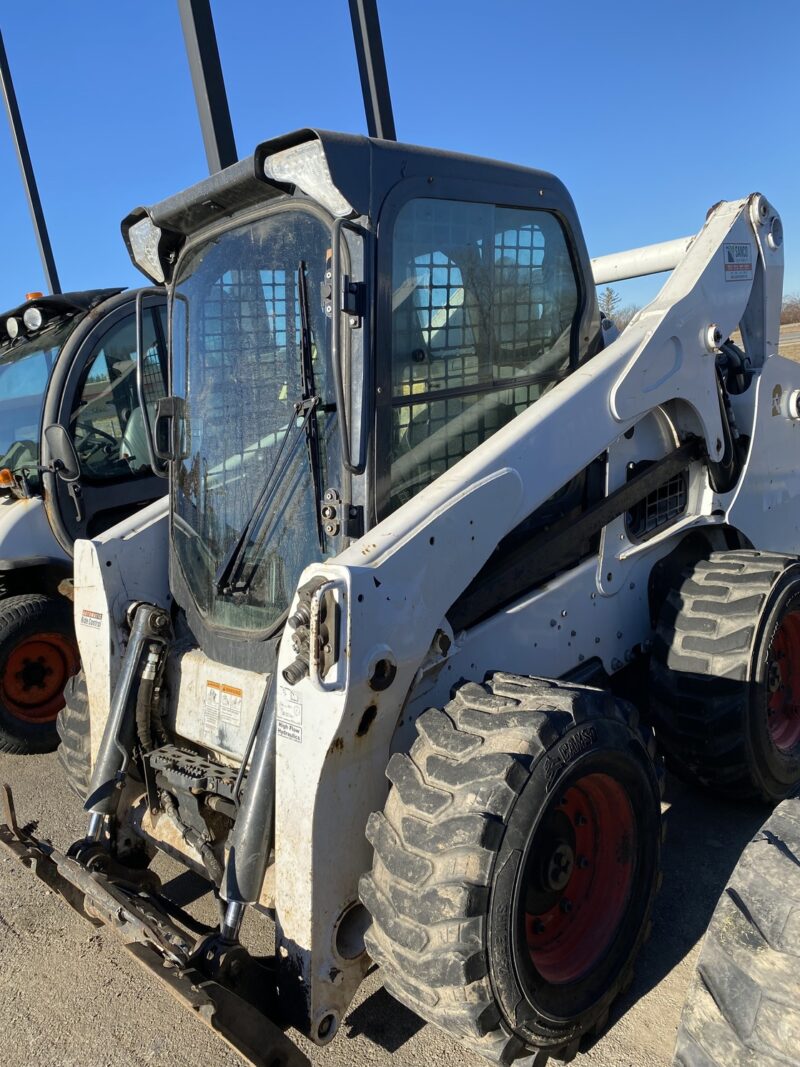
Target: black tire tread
(73,724)
(743,1008)
(702,652)
(435,847)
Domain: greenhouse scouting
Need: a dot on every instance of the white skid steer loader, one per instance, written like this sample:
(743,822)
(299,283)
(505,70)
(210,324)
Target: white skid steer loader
(69,402)
(425,526)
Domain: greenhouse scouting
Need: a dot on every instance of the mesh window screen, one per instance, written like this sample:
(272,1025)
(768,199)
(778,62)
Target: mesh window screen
(153,363)
(483,304)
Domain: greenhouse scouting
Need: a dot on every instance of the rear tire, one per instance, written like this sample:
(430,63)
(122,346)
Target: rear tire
(38,655)
(725,673)
(74,752)
(516,862)
(743,1008)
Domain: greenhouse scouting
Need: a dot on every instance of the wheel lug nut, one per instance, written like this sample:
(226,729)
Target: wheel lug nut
(566,906)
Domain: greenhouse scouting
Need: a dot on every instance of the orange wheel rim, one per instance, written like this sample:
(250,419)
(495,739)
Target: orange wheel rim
(33,677)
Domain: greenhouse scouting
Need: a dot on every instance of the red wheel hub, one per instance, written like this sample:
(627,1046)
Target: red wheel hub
(783,684)
(35,673)
(579,877)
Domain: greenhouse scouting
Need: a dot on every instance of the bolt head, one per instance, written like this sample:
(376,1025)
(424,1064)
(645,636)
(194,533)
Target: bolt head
(713,337)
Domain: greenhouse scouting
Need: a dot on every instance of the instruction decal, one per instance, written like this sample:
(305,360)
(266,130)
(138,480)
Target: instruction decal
(91,618)
(222,706)
(738,262)
(290,714)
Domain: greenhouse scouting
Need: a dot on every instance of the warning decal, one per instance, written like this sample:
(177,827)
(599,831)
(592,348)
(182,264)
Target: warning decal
(91,618)
(223,705)
(738,262)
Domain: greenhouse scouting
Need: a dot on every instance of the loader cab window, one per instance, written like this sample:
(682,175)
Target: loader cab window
(484,300)
(25,372)
(250,465)
(108,424)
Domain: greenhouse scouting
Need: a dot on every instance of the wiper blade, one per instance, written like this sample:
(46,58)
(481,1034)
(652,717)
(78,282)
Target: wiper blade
(309,393)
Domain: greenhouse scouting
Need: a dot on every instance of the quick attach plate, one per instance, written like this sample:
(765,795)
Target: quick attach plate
(223,1001)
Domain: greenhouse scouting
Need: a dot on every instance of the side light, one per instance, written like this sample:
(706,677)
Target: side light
(305,166)
(6,479)
(33,318)
(34,296)
(144,237)
(12,327)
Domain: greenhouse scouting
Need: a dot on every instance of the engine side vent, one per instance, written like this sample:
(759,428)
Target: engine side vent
(659,508)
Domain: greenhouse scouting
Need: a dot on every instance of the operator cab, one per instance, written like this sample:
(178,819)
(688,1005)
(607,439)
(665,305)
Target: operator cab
(350,317)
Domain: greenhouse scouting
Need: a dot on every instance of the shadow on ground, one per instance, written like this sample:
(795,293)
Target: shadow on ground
(705,837)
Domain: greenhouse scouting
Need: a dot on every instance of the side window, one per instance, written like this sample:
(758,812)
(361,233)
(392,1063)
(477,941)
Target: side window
(483,303)
(107,423)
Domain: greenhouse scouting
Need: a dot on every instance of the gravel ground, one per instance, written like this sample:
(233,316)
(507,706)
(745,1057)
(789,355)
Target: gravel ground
(71,995)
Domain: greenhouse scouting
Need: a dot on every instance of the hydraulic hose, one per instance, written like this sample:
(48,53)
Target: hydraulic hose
(193,837)
(148,716)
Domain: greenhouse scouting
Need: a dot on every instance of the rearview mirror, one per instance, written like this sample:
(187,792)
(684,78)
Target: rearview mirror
(63,457)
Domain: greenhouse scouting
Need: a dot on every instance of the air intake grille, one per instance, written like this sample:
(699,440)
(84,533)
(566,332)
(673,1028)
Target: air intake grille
(659,508)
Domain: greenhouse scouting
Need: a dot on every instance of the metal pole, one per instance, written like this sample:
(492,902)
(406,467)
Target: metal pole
(28,177)
(209,85)
(372,68)
(639,262)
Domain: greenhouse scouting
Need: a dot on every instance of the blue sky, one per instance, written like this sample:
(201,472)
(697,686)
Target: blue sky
(649,112)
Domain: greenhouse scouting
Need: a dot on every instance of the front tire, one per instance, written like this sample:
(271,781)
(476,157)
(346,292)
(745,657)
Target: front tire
(38,654)
(516,862)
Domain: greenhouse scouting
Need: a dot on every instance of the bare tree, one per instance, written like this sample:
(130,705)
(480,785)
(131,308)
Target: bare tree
(790,312)
(624,315)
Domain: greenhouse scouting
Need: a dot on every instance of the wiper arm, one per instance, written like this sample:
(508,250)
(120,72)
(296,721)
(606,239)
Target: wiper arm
(225,579)
(310,393)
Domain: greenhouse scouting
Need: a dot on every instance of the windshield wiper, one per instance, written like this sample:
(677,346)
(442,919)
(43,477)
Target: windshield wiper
(310,393)
(227,580)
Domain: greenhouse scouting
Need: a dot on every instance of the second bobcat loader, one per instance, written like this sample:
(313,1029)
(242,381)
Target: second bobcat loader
(424,525)
(69,400)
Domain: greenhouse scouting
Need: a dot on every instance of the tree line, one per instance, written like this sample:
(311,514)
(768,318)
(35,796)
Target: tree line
(612,308)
